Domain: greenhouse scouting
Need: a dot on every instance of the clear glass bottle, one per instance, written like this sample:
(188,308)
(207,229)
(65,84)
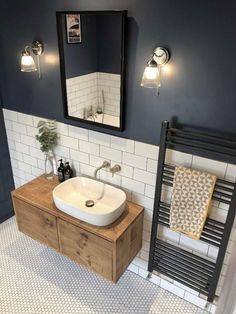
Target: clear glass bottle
(50,164)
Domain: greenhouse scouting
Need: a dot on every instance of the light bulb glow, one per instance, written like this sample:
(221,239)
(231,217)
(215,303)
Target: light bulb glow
(151,73)
(27,64)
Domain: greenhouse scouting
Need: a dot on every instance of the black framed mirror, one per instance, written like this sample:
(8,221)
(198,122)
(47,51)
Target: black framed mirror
(91,48)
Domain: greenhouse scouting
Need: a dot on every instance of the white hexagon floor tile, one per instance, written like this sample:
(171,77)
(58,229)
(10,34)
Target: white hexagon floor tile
(37,280)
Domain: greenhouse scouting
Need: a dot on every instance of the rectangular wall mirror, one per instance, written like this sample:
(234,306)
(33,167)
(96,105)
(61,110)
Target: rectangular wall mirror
(91,47)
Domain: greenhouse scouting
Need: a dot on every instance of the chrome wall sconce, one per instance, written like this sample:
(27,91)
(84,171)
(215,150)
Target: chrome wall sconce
(27,61)
(152,72)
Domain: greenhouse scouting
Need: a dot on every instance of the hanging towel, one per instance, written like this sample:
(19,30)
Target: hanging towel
(192,192)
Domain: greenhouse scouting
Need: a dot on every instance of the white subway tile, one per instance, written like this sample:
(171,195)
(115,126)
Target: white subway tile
(132,185)
(152,165)
(213,252)
(68,141)
(18,127)
(150,191)
(30,160)
(16,155)
(41,164)
(212,166)
(62,128)
(18,173)
(10,115)
(135,161)
(194,299)
(144,176)
(172,288)
(28,140)
(78,133)
(142,200)
(148,213)
(24,167)
(62,152)
(106,176)
(143,273)
(37,153)
(79,156)
(126,171)
(176,283)
(89,148)
(155,279)
(198,245)
(37,172)
(133,268)
(95,161)
(178,158)
(14,136)
(36,121)
(110,153)
(8,125)
(86,169)
(22,148)
(99,138)
(25,119)
(122,144)
(231,172)
(140,263)
(168,234)
(213,309)
(146,235)
(14,163)
(31,131)
(146,150)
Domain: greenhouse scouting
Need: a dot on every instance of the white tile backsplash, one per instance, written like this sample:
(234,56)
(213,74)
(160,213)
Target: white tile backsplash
(87,149)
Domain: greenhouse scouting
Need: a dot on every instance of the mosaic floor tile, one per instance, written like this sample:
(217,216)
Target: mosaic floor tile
(37,280)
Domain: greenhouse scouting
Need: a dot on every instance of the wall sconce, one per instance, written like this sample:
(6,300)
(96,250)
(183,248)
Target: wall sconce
(152,72)
(27,61)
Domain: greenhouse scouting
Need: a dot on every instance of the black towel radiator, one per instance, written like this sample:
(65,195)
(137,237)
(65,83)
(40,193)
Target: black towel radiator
(193,271)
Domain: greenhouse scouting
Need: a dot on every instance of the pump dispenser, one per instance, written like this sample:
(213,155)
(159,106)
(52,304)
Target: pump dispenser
(68,171)
(60,171)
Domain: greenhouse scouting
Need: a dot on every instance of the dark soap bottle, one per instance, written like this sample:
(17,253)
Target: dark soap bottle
(68,171)
(60,171)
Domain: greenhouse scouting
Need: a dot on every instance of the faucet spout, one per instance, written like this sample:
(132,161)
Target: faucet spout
(105,164)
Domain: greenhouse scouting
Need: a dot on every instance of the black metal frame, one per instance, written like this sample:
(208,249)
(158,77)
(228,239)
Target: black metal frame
(59,16)
(189,269)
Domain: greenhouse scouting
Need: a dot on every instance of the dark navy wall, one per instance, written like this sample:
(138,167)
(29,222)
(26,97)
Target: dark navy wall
(109,40)
(6,179)
(200,90)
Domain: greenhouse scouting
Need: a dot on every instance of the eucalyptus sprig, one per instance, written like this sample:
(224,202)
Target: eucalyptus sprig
(47,135)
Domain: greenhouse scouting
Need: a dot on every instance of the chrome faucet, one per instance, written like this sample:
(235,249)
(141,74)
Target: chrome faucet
(105,164)
(115,169)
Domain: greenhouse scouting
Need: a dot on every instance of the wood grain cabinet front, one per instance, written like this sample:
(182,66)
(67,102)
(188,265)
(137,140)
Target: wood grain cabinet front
(86,248)
(105,250)
(36,223)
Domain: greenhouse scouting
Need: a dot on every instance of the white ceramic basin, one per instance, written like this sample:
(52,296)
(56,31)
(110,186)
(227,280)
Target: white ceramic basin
(71,197)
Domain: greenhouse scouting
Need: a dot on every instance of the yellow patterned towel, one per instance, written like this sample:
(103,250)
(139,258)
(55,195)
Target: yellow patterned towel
(192,192)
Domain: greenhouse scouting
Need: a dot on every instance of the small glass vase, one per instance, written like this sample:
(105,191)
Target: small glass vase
(50,165)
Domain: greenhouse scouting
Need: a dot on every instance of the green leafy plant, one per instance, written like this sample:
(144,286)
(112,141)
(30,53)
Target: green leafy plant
(47,135)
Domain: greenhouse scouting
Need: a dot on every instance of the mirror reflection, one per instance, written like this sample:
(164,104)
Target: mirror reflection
(91,48)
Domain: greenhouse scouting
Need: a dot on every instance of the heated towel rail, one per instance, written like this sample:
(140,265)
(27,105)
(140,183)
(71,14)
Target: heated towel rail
(193,271)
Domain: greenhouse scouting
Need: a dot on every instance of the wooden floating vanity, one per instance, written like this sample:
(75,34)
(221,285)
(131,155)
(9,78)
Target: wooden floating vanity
(105,250)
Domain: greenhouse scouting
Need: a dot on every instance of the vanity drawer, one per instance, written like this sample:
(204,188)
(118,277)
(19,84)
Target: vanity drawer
(36,223)
(86,248)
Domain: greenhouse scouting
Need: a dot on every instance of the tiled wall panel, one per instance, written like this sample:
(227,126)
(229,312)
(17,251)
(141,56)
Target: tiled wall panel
(87,149)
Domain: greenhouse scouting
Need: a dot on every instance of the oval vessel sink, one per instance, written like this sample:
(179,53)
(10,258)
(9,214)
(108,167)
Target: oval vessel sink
(90,200)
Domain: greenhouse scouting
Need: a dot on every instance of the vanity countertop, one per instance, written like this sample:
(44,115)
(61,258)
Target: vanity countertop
(38,192)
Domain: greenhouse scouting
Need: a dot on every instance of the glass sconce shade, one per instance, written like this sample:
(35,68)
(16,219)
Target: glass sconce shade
(27,62)
(150,77)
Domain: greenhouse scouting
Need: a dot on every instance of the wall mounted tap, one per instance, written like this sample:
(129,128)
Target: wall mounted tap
(105,164)
(115,169)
